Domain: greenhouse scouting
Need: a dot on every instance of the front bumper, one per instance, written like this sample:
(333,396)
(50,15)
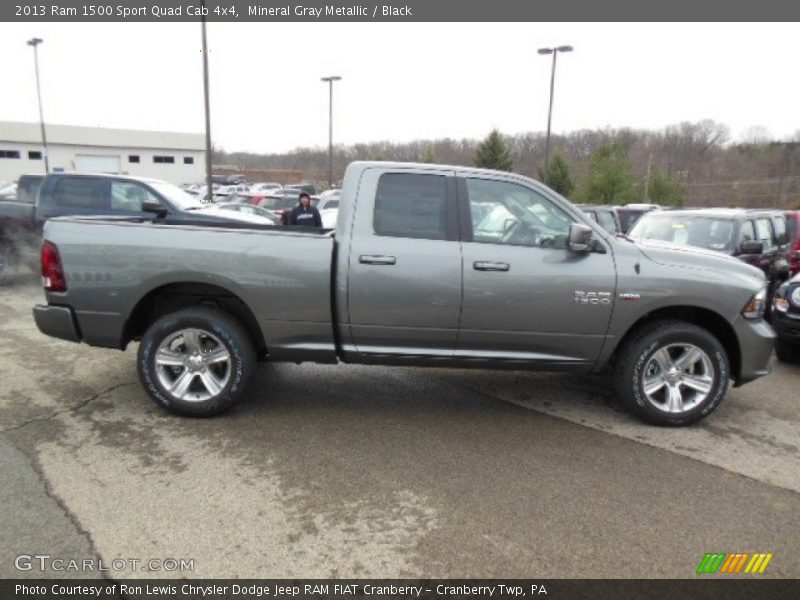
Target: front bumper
(787,326)
(756,343)
(56,321)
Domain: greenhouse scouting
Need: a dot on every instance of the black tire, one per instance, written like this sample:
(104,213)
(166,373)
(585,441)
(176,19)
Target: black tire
(636,355)
(6,263)
(221,330)
(786,352)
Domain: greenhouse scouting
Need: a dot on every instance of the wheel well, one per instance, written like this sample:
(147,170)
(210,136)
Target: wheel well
(174,296)
(712,322)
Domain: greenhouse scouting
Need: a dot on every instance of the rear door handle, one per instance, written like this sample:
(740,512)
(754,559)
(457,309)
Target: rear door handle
(483,265)
(376,259)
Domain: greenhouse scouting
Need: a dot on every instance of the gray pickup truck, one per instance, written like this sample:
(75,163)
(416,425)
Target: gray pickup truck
(428,265)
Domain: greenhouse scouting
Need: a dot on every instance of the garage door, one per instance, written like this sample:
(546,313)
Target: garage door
(96,163)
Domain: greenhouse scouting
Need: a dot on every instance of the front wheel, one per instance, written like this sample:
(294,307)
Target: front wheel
(5,263)
(196,362)
(672,373)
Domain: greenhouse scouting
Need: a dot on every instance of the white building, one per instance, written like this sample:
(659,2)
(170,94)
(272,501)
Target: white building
(175,157)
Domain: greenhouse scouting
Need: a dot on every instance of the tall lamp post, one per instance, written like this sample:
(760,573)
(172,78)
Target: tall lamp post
(34,42)
(554,51)
(207,102)
(330,81)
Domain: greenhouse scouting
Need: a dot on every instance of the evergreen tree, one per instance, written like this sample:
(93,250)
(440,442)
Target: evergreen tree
(662,189)
(610,179)
(557,176)
(492,153)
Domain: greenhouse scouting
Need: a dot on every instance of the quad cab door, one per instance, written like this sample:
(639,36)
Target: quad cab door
(527,297)
(404,280)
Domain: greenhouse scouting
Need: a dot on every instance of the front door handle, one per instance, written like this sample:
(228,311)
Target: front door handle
(376,259)
(484,265)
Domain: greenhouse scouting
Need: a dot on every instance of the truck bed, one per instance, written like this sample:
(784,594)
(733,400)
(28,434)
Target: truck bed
(283,276)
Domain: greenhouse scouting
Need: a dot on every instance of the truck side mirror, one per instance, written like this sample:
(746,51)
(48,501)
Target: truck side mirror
(154,207)
(580,238)
(751,247)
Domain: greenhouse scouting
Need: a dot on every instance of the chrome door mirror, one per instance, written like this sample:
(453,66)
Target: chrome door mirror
(580,238)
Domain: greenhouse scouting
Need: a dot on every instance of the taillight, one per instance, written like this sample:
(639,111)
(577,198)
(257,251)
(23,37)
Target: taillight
(53,278)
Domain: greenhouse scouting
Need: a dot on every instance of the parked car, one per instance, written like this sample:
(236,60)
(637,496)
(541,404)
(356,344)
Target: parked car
(279,205)
(8,192)
(325,202)
(269,186)
(329,216)
(793,235)
(786,320)
(757,237)
(39,199)
(606,216)
(405,280)
(628,215)
(308,188)
(247,212)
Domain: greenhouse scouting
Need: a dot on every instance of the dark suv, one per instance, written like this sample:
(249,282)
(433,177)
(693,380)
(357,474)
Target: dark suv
(793,233)
(757,237)
(786,319)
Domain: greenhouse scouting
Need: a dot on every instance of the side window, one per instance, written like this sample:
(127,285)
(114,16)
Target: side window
(332,204)
(81,192)
(129,195)
(607,222)
(411,205)
(780,229)
(748,231)
(508,213)
(764,232)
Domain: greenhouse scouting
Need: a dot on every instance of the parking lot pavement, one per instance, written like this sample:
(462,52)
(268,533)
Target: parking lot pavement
(362,471)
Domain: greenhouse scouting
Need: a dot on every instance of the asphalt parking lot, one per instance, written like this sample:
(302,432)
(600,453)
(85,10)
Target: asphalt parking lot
(367,472)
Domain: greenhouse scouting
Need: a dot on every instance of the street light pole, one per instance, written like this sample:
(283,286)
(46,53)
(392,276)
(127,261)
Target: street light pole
(330,81)
(554,51)
(35,43)
(209,181)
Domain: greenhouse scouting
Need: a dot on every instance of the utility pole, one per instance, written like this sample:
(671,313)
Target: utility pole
(330,81)
(554,51)
(35,43)
(647,178)
(209,182)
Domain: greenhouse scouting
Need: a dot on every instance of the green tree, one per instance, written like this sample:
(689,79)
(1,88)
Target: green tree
(610,179)
(662,189)
(429,156)
(492,153)
(557,175)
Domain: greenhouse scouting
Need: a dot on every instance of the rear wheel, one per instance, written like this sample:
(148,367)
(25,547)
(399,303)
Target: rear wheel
(672,373)
(196,362)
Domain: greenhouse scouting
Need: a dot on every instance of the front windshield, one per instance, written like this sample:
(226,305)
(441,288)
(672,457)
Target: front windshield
(687,230)
(180,199)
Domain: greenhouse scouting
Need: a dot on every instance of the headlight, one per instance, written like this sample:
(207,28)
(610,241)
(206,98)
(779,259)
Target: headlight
(755,308)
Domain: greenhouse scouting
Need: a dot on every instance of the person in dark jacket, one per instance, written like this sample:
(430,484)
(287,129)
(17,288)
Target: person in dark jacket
(305,214)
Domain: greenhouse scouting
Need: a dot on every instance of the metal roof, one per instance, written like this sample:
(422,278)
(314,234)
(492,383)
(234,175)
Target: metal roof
(73,135)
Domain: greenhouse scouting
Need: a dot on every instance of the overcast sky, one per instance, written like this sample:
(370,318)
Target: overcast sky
(401,81)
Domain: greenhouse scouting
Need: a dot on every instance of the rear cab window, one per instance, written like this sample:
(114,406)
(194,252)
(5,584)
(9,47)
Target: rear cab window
(83,193)
(411,205)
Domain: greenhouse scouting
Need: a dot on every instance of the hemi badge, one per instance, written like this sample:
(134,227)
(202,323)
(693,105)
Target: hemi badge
(629,296)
